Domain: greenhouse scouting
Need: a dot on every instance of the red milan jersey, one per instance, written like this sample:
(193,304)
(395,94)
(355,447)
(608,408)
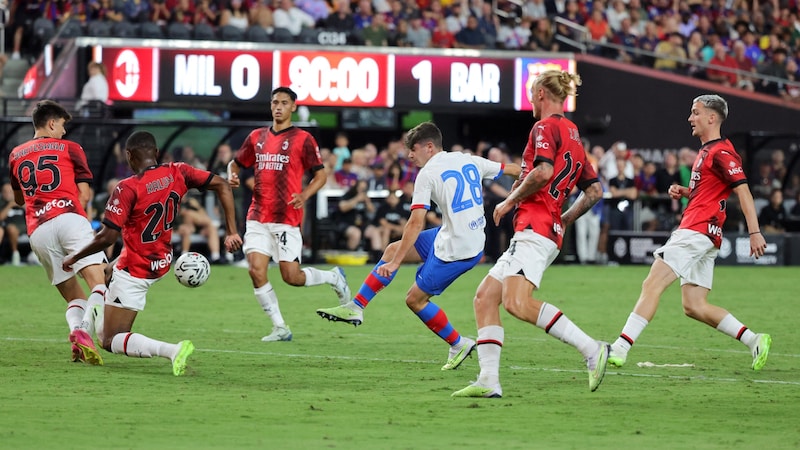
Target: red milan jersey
(144,208)
(47,171)
(554,140)
(280,159)
(715,172)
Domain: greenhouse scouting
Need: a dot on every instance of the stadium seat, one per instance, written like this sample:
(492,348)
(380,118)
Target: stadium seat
(282,36)
(124,30)
(308,36)
(257,34)
(151,30)
(98,28)
(178,31)
(204,32)
(231,33)
(70,29)
(44,30)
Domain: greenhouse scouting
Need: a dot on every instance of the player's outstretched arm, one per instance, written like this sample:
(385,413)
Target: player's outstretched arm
(757,242)
(233,241)
(410,234)
(106,237)
(584,203)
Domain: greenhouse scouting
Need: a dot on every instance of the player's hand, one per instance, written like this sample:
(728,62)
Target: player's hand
(758,245)
(233,242)
(501,210)
(676,192)
(68,262)
(233,180)
(297,201)
(388,269)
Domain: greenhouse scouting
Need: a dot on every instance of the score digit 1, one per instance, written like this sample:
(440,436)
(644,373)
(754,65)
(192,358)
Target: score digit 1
(422,72)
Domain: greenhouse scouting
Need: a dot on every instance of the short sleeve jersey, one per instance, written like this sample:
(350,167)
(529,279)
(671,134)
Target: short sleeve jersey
(717,169)
(554,140)
(279,160)
(454,181)
(144,208)
(47,171)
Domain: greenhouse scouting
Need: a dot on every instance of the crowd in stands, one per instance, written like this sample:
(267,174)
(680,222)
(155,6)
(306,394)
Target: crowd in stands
(682,36)
(370,190)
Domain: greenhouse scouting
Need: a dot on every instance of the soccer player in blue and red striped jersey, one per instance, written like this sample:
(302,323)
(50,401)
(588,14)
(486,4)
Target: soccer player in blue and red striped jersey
(453,181)
(690,252)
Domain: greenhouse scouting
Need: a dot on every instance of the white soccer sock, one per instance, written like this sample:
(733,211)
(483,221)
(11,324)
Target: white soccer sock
(269,303)
(558,325)
(315,277)
(140,346)
(490,344)
(632,329)
(214,256)
(96,298)
(74,314)
(735,329)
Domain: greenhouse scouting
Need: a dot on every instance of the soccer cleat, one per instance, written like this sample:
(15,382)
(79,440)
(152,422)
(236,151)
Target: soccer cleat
(353,315)
(761,350)
(185,348)
(340,287)
(82,340)
(458,353)
(77,354)
(278,334)
(476,389)
(597,365)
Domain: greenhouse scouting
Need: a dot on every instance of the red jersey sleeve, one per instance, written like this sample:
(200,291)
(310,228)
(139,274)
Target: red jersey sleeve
(727,164)
(246,155)
(588,176)
(195,178)
(79,162)
(311,157)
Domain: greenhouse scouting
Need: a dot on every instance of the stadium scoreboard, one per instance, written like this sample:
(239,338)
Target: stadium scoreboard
(344,77)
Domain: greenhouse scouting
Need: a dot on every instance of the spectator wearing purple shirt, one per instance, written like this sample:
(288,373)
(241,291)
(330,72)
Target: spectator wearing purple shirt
(363,18)
(317,9)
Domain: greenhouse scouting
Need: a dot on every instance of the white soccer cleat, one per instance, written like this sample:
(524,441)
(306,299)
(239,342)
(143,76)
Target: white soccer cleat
(278,334)
(340,287)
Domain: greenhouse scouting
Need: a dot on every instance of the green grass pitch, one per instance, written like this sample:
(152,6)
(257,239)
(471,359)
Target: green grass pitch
(379,386)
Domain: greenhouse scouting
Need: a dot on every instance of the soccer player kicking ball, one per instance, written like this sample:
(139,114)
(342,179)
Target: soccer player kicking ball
(143,208)
(690,252)
(454,182)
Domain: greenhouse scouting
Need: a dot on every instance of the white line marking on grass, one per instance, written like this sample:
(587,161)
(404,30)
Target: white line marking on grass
(422,361)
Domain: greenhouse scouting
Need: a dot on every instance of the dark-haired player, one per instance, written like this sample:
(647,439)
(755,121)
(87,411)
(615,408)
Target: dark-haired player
(51,177)
(280,155)
(143,208)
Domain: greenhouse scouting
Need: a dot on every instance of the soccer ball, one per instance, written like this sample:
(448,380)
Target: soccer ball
(192,269)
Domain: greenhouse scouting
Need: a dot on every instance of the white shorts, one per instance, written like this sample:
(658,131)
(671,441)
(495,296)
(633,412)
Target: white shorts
(127,291)
(691,256)
(279,241)
(60,236)
(528,254)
